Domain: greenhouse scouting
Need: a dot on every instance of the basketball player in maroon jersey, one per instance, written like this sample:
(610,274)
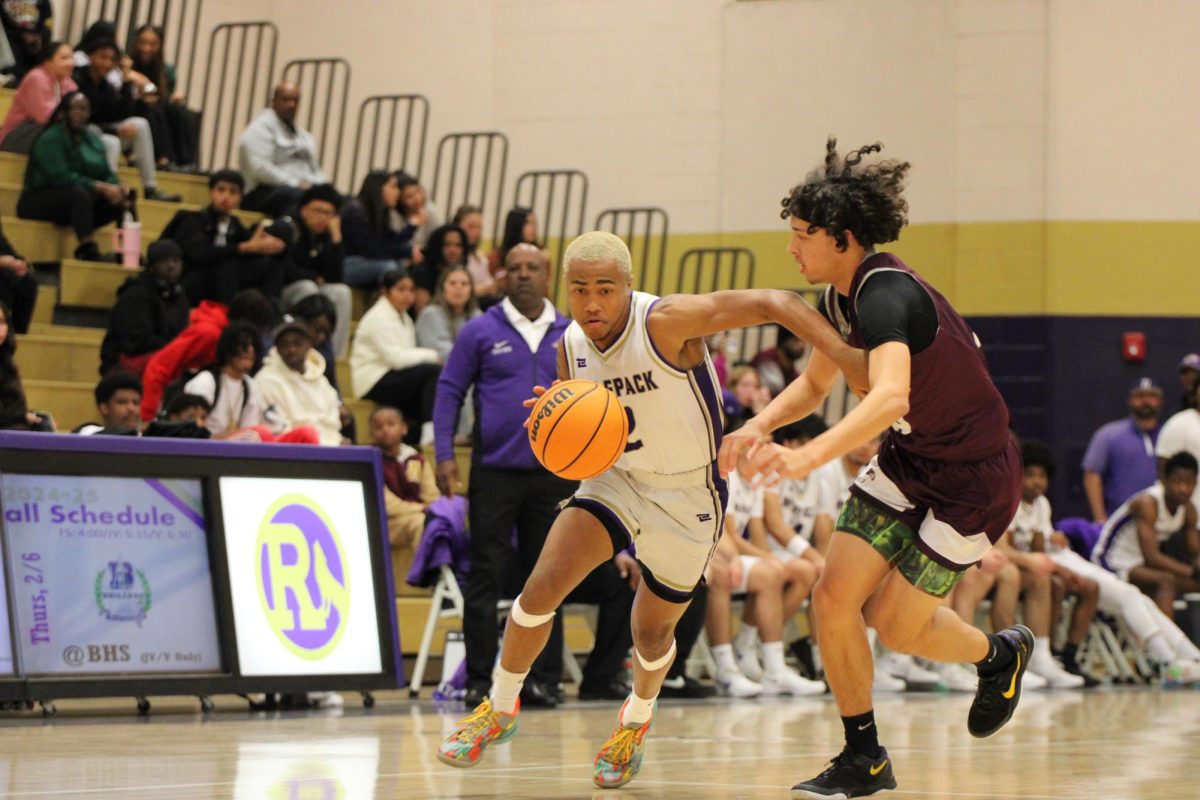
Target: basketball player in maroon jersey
(945,484)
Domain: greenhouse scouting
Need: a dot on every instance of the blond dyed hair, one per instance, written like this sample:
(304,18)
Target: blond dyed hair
(599,246)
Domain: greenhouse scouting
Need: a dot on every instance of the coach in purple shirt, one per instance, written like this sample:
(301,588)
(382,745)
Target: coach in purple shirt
(1119,461)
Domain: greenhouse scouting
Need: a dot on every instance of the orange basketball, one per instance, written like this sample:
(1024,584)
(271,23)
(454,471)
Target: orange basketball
(578,429)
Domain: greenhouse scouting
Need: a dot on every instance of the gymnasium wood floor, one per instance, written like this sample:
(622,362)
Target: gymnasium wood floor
(1112,744)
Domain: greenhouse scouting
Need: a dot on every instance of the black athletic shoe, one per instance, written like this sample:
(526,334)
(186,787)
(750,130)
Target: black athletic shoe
(686,688)
(997,696)
(849,775)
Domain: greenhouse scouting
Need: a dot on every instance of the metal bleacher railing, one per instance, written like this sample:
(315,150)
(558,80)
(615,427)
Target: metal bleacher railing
(559,199)
(237,85)
(645,232)
(390,134)
(471,167)
(325,83)
(179,19)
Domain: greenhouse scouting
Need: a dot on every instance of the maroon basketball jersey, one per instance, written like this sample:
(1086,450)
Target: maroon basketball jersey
(955,411)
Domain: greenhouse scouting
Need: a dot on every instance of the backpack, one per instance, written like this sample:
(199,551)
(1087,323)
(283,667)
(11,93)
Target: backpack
(175,389)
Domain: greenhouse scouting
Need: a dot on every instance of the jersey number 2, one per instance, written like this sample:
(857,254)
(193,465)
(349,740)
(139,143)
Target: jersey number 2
(631,445)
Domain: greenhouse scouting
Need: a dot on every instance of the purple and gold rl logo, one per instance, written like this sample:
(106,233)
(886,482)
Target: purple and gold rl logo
(302,577)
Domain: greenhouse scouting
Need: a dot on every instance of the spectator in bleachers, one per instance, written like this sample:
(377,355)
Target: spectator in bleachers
(68,179)
(39,94)
(189,408)
(14,411)
(501,354)
(749,396)
(520,227)
(1131,543)
(372,246)
(315,260)
(294,387)
(223,257)
(446,248)
(18,287)
(26,26)
(114,110)
(409,485)
(278,157)
(470,219)
(318,313)
(1119,461)
(778,366)
(119,401)
(1189,378)
(174,126)
(386,365)
(234,400)
(196,346)
(414,208)
(151,310)
(453,306)
(838,476)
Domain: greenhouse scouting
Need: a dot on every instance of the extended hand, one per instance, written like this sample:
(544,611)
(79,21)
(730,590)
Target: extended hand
(538,391)
(628,568)
(774,463)
(745,441)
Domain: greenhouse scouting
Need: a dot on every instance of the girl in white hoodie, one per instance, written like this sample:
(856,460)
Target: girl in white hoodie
(386,366)
(293,384)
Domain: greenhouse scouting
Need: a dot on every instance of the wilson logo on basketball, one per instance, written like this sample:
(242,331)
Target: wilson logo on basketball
(546,410)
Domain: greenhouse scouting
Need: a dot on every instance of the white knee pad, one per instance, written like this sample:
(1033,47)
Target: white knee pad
(527,620)
(658,663)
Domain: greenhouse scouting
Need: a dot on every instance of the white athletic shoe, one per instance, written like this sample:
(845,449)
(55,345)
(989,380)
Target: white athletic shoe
(956,677)
(887,683)
(750,665)
(905,667)
(735,684)
(1056,677)
(789,682)
(1034,681)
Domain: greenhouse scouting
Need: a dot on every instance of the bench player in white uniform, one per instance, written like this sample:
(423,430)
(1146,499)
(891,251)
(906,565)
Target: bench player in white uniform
(665,495)
(776,591)
(1033,529)
(1130,543)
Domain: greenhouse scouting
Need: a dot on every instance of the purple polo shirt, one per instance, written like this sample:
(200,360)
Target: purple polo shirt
(1122,454)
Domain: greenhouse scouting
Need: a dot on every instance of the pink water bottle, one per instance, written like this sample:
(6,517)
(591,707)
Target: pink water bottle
(127,240)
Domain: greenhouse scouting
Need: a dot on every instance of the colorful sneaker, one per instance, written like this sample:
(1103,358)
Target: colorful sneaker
(621,756)
(849,775)
(465,746)
(997,696)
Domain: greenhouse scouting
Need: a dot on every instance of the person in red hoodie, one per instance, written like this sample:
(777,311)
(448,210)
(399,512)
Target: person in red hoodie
(196,346)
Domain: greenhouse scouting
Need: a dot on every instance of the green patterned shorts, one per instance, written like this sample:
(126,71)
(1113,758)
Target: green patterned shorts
(896,542)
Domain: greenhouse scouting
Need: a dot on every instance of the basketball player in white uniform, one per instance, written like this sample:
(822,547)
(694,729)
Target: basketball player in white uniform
(1130,544)
(664,496)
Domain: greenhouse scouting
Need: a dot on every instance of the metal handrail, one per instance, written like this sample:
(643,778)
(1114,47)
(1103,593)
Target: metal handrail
(225,120)
(336,72)
(640,223)
(469,186)
(547,183)
(412,142)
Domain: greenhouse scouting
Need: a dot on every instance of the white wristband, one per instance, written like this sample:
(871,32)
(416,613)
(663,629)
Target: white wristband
(798,545)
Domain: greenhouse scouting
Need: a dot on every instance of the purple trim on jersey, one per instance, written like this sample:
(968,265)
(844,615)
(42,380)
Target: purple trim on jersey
(653,344)
(1117,524)
(711,398)
(666,592)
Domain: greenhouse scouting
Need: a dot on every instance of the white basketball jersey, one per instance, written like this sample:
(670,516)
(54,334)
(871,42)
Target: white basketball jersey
(675,417)
(1118,548)
(801,501)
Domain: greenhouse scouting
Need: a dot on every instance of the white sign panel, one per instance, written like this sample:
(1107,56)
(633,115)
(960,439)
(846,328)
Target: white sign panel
(300,573)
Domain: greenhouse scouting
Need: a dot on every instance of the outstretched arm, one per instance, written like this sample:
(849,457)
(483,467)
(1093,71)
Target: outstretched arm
(680,321)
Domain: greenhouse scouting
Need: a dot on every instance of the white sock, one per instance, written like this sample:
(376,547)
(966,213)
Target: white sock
(1041,651)
(1181,644)
(636,711)
(773,658)
(723,655)
(506,688)
(1160,649)
(747,637)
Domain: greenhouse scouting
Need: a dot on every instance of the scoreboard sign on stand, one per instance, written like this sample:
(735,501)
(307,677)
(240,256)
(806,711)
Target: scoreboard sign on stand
(142,567)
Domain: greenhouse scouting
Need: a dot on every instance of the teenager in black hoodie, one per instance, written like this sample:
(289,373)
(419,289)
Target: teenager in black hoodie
(151,310)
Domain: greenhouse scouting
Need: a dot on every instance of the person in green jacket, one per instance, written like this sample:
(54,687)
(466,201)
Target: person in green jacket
(69,181)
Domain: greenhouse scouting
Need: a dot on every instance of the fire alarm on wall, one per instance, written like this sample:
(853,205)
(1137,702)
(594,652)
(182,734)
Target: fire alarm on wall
(1133,347)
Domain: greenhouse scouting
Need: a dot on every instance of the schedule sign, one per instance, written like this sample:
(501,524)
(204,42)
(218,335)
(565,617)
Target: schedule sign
(110,575)
(301,575)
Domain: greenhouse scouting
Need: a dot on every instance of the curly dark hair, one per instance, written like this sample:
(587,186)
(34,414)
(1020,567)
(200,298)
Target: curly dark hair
(1035,453)
(846,195)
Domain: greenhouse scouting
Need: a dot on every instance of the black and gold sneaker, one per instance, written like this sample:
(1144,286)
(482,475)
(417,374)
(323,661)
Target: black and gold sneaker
(849,775)
(997,696)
